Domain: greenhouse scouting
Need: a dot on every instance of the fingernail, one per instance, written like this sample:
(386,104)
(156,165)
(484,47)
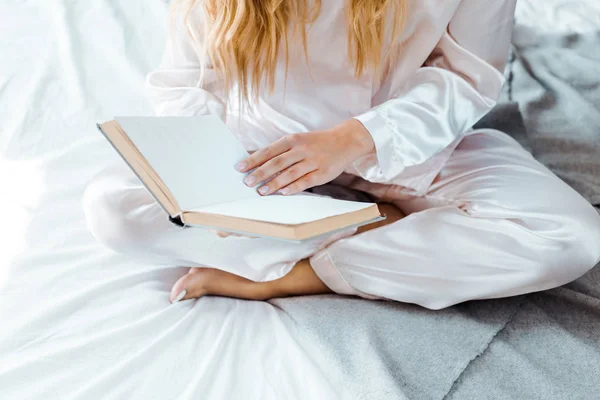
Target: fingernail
(241,166)
(263,190)
(249,180)
(285,191)
(180,296)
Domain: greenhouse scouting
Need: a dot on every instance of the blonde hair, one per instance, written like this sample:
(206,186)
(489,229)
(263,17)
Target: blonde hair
(242,37)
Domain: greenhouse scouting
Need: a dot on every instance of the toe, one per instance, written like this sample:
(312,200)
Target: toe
(189,286)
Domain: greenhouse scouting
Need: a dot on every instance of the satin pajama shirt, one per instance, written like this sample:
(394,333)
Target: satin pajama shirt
(484,218)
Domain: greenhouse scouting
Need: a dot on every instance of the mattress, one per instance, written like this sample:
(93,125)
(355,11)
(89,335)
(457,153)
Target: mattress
(82,322)
(78,321)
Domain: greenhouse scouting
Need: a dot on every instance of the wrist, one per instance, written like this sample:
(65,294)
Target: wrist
(356,136)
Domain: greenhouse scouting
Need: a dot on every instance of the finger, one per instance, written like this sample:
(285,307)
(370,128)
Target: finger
(261,156)
(273,167)
(228,234)
(305,182)
(219,233)
(288,176)
(223,234)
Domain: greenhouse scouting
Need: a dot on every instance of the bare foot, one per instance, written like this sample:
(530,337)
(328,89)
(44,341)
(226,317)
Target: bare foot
(199,282)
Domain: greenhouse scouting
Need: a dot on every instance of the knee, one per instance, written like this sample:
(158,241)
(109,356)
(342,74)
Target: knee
(106,208)
(586,229)
(574,248)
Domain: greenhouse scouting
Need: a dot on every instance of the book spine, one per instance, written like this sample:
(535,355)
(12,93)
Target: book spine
(177,220)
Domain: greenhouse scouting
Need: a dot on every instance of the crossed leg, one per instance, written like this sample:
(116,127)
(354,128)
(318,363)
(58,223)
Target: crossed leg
(301,280)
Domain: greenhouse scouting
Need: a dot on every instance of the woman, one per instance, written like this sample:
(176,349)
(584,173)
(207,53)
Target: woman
(377,96)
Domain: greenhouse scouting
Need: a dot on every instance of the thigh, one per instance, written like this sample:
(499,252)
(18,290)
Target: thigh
(120,210)
(123,215)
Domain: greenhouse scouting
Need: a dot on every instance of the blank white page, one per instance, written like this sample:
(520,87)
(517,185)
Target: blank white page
(194,157)
(290,210)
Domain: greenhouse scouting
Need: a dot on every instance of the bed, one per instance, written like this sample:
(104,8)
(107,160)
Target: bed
(81,322)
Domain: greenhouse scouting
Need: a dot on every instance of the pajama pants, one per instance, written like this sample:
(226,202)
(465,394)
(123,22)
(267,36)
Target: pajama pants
(494,223)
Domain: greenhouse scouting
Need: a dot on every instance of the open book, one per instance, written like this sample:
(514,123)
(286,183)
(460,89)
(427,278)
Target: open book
(187,164)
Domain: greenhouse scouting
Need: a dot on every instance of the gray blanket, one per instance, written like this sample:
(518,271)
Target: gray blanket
(544,345)
(386,350)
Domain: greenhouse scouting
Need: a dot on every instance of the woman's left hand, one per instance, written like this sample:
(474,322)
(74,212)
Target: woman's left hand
(300,161)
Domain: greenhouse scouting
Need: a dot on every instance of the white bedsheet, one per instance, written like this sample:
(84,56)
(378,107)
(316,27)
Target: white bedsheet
(78,321)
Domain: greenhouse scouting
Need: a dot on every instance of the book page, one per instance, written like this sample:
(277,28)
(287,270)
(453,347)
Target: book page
(289,210)
(193,156)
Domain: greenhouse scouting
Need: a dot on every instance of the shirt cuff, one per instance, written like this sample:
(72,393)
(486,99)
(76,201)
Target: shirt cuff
(386,163)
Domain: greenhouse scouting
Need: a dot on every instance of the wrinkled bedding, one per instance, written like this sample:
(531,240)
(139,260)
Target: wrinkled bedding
(81,322)
(556,82)
(78,321)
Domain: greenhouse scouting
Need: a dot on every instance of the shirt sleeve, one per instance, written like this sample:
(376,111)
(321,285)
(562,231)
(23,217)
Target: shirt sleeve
(457,85)
(176,87)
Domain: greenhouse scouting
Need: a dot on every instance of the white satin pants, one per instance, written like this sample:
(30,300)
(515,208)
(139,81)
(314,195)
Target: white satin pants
(494,223)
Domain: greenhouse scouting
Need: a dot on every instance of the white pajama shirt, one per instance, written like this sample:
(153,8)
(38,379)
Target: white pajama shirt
(484,218)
